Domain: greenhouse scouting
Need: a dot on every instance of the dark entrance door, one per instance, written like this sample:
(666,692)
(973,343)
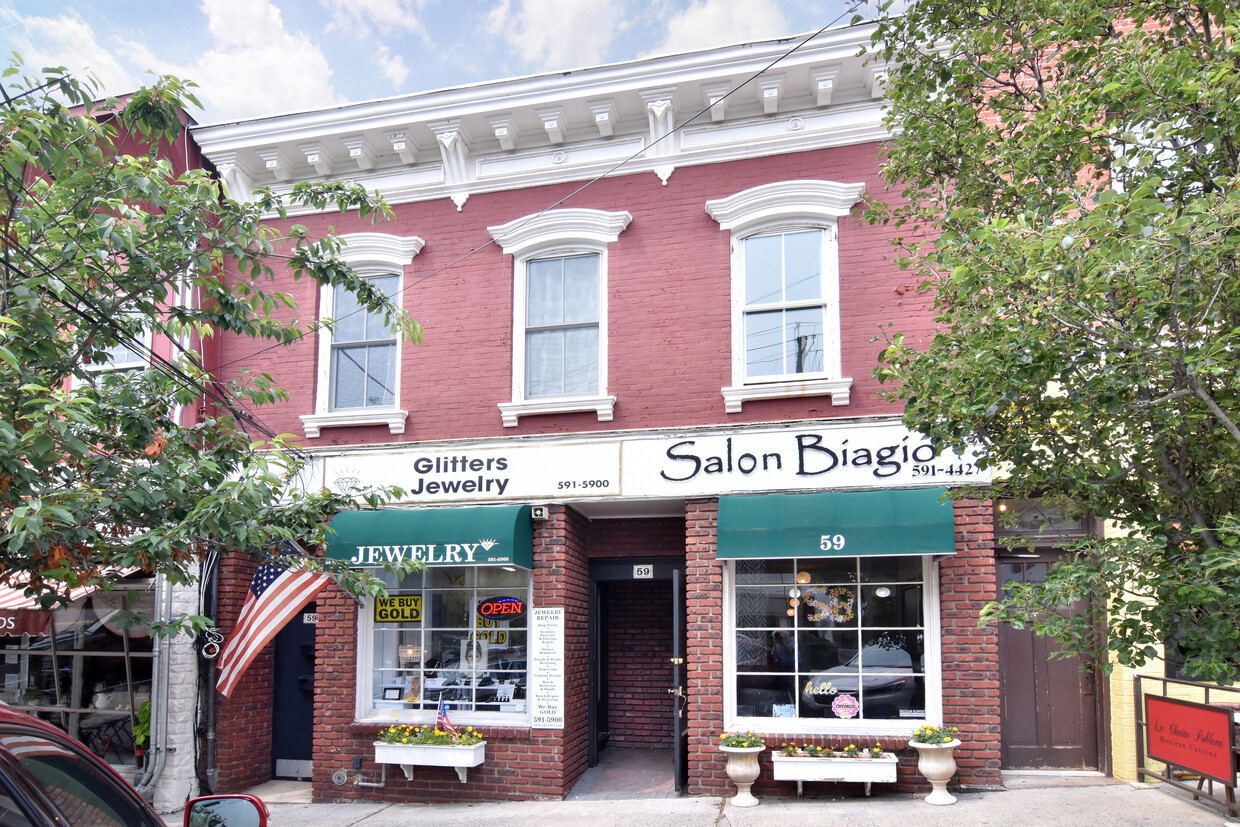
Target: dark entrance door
(680,701)
(292,708)
(1050,708)
(637,696)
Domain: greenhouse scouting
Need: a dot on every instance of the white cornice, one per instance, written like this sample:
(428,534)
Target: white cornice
(571,225)
(569,126)
(805,199)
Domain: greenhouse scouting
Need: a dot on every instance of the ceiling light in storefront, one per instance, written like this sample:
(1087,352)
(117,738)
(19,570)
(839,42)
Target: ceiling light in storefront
(882,591)
(802,577)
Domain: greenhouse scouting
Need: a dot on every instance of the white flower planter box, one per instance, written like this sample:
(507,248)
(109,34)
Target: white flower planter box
(801,768)
(408,756)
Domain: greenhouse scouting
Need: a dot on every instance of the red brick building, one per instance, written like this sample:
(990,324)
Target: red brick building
(643,418)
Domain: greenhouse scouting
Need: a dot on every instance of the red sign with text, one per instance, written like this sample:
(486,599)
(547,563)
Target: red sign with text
(1193,736)
(17,622)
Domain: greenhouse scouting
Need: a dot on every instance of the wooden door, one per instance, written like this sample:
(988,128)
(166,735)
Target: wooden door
(1049,710)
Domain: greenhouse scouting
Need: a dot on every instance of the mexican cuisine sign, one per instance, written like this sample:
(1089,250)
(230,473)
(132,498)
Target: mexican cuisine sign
(1194,736)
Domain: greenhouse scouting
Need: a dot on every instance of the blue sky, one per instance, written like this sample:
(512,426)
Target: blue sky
(262,57)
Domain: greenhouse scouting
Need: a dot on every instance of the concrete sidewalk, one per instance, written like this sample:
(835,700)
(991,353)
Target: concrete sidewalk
(1091,805)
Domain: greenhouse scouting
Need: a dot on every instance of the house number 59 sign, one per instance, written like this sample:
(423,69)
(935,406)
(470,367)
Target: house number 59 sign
(832,542)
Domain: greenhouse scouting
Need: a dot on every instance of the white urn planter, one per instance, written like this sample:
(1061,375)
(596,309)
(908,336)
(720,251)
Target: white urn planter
(937,763)
(742,768)
(408,756)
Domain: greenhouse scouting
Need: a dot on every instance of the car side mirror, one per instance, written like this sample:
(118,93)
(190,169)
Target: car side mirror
(226,811)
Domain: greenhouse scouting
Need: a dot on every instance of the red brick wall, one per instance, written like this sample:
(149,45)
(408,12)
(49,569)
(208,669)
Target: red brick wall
(970,652)
(243,720)
(525,763)
(970,658)
(704,649)
(668,307)
(639,673)
(663,537)
(521,763)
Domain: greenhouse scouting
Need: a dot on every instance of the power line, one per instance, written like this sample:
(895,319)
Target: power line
(103,321)
(591,182)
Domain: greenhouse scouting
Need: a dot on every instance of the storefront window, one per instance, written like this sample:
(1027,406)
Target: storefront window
(454,633)
(85,667)
(834,639)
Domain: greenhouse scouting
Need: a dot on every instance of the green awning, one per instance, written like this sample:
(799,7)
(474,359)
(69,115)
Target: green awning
(483,536)
(836,524)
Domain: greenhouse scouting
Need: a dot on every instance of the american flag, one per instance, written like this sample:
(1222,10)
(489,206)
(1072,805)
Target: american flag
(441,718)
(276,595)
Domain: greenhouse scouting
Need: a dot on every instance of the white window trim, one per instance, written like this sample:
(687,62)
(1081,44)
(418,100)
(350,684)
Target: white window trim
(363,713)
(786,205)
(564,232)
(147,343)
(374,254)
(898,727)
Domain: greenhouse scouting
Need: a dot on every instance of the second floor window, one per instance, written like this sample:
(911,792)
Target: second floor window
(562,326)
(363,357)
(785,304)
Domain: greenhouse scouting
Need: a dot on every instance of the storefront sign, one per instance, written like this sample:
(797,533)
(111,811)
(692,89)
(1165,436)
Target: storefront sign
(1194,736)
(547,669)
(501,608)
(798,457)
(500,535)
(686,463)
(837,524)
(18,622)
(508,471)
(402,609)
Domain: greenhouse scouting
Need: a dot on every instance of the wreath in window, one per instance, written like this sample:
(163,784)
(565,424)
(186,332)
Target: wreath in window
(834,604)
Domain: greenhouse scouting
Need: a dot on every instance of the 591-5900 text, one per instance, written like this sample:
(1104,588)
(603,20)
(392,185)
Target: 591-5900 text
(584,484)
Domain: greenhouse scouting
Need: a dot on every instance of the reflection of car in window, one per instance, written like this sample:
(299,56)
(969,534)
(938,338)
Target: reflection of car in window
(881,677)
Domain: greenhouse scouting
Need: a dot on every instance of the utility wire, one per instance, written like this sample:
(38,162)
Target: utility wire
(102,320)
(246,418)
(591,182)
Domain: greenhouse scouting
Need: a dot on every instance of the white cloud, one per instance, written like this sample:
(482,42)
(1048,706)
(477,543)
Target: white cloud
(68,41)
(707,23)
(359,18)
(392,66)
(557,34)
(255,66)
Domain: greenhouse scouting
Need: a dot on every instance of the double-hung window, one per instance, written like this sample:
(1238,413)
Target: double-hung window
(785,289)
(130,353)
(785,306)
(562,326)
(559,311)
(358,379)
(363,361)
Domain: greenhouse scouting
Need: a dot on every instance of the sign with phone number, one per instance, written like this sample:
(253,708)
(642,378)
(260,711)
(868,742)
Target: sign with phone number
(547,669)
